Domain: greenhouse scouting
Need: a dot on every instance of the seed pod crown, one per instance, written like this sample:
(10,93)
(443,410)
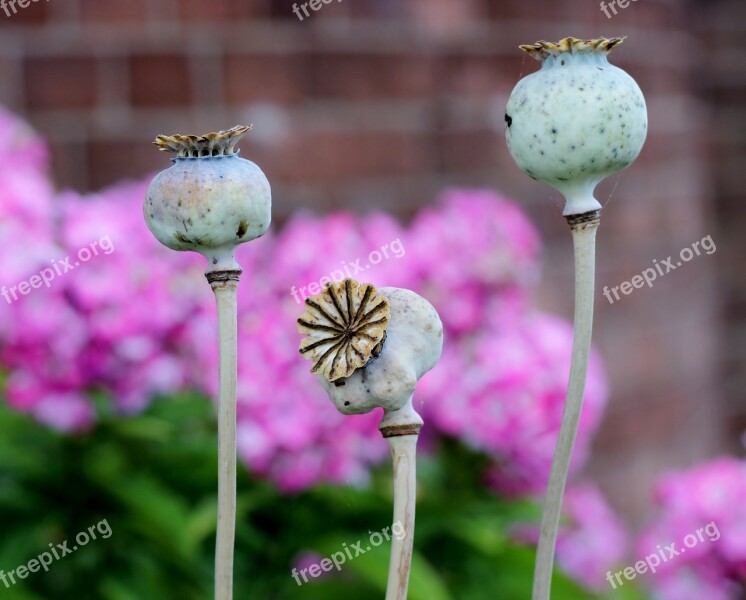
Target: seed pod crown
(345,327)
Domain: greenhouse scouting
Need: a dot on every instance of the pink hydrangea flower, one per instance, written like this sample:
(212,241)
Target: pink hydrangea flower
(471,250)
(592,539)
(503,391)
(703,513)
(595,541)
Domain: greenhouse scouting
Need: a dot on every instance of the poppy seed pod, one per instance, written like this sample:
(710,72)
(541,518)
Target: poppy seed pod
(395,338)
(370,348)
(210,200)
(575,121)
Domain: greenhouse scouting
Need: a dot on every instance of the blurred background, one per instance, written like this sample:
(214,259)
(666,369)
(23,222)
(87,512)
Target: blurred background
(381,106)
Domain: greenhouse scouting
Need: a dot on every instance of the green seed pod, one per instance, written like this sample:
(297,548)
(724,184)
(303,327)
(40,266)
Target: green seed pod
(210,200)
(575,121)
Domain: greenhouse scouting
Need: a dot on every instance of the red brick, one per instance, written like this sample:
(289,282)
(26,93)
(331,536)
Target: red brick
(60,83)
(475,75)
(111,162)
(69,165)
(264,77)
(339,157)
(36,13)
(160,80)
(367,76)
(469,150)
(223,10)
(113,12)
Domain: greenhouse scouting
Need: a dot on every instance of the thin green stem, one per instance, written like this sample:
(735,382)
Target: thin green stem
(584,243)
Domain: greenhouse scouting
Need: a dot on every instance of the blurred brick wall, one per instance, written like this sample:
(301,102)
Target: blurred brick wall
(382,103)
(721,24)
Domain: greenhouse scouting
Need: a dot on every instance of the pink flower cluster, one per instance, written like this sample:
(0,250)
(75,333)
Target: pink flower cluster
(709,497)
(140,321)
(592,540)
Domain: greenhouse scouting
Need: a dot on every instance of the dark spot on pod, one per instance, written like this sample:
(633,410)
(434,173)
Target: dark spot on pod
(562,179)
(554,130)
(508,119)
(347,402)
(243,227)
(182,238)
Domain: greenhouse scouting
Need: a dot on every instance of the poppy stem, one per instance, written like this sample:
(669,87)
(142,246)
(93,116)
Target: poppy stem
(401,429)
(583,228)
(224,284)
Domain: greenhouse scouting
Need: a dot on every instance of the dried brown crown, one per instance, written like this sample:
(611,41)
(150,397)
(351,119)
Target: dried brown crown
(222,143)
(541,49)
(345,327)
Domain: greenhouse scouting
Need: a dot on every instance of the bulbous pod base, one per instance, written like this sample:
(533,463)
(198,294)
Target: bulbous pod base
(576,120)
(414,342)
(209,204)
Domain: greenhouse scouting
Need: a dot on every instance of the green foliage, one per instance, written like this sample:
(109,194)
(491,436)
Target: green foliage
(152,478)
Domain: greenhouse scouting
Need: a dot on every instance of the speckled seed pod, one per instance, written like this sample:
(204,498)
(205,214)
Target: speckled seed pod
(576,120)
(414,342)
(210,200)
(346,328)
